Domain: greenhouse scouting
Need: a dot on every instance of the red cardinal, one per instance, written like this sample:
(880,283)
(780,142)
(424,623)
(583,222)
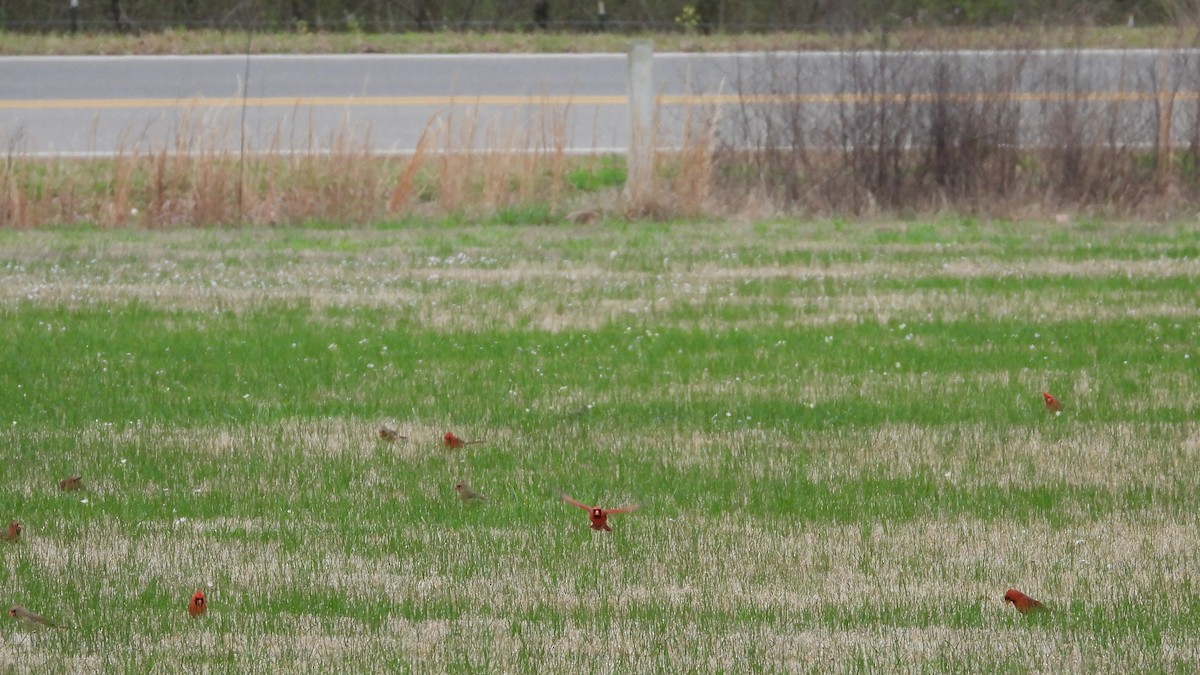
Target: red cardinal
(453,441)
(1052,403)
(14,532)
(598,515)
(198,604)
(1022,602)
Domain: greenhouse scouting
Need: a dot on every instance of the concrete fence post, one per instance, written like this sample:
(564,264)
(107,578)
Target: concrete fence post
(639,180)
(1166,104)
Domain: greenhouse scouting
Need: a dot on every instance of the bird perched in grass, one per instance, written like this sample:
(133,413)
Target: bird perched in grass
(198,604)
(390,433)
(598,516)
(14,532)
(466,494)
(1023,603)
(452,441)
(1052,403)
(70,484)
(19,612)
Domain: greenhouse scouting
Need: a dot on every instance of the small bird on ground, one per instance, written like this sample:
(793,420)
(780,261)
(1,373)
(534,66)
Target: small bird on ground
(1052,403)
(14,532)
(453,441)
(390,433)
(466,494)
(19,612)
(598,516)
(1022,602)
(70,484)
(197,605)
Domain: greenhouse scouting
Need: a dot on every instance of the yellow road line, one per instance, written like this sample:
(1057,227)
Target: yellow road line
(574,100)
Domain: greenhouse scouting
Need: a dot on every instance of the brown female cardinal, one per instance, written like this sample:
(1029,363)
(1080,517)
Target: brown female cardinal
(598,516)
(19,612)
(197,605)
(390,433)
(70,484)
(453,441)
(466,494)
(1022,602)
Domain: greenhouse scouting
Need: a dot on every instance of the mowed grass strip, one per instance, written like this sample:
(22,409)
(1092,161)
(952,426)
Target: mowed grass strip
(820,487)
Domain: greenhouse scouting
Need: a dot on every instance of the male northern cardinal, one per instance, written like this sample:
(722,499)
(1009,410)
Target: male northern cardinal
(14,532)
(466,494)
(598,515)
(19,612)
(1052,403)
(453,441)
(389,433)
(1022,602)
(197,605)
(70,484)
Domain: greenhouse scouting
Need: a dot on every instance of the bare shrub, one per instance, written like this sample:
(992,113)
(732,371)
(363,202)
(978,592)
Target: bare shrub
(765,145)
(1186,121)
(972,132)
(969,133)
(876,118)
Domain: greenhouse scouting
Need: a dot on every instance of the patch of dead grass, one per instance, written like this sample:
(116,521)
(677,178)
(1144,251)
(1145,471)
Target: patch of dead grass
(522,282)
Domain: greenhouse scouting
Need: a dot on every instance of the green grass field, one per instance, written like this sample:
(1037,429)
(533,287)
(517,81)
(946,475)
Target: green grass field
(834,430)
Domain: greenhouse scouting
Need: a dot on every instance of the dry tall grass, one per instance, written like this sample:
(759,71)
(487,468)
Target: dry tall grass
(460,166)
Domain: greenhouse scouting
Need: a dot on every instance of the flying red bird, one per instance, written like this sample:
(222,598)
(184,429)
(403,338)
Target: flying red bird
(14,532)
(1052,403)
(598,516)
(1022,602)
(197,605)
(453,441)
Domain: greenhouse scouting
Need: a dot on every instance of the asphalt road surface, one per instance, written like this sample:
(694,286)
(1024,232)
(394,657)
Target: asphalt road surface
(387,103)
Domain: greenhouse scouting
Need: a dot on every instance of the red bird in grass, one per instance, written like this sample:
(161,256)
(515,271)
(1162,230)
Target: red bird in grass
(197,605)
(453,441)
(1023,603)
(1052,403)
(14,532)
(598,516)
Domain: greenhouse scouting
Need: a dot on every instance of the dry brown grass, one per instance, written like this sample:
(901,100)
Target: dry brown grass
(396,273)
(460,167)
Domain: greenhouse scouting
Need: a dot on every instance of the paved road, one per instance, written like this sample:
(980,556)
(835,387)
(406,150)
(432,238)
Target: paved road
(69,105)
